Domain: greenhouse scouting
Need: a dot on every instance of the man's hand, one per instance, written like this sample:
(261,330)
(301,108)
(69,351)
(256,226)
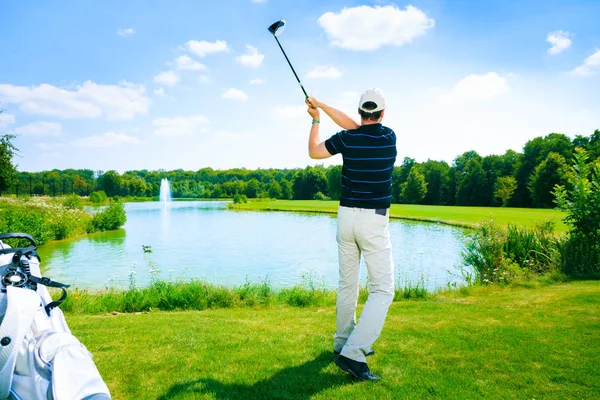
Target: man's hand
(313,111)
(314,102)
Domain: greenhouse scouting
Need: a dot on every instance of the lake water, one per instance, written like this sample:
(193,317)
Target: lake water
(206,240)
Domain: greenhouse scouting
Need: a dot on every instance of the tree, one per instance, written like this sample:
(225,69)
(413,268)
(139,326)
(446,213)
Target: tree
(594,147)
(334,181)
(436,175)
(110,182)
(287,190)
(8,171)
(504,189)
(415,187)
(494,167)
(472,185)
(309,182)
(581,141)
(252,189)
(275,190)
(551,172)
(399,176)
(534,152)
(580,252)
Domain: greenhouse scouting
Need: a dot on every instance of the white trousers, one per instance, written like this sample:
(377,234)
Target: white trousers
(362,231)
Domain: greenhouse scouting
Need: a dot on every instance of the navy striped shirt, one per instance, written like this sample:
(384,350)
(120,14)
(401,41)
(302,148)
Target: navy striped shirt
(369,154)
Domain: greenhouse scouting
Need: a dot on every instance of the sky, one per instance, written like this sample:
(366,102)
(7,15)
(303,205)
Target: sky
(140,84)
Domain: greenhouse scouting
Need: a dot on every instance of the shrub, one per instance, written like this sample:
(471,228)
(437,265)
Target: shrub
(112,217)
(240,198)
(580,250)
(42,218)
(73,202)
(320,196)
(98,197)
(500,255)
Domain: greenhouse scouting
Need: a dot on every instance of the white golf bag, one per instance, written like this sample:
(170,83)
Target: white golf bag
(39,357)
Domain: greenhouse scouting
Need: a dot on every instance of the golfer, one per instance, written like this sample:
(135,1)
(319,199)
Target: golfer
(369,153)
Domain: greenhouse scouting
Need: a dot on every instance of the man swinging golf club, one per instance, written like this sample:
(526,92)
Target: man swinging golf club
(369,153)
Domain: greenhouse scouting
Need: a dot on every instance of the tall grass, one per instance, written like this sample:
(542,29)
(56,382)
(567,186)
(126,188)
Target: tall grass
(200,295)
(503,255)
(48,219)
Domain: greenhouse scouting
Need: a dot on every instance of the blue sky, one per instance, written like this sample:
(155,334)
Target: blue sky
(189,84)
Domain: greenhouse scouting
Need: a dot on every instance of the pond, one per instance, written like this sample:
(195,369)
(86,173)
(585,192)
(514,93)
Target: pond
(205,240)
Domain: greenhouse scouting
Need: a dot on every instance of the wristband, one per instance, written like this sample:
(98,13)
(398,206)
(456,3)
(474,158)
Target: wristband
(316,121)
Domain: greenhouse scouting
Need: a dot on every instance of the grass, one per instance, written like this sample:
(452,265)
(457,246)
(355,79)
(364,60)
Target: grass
(487,342)
(199,295)
(468,217)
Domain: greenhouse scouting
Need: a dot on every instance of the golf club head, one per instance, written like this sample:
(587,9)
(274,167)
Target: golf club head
(277,28)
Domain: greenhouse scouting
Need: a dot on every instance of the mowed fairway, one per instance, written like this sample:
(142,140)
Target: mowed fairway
(494,343)
(452,215)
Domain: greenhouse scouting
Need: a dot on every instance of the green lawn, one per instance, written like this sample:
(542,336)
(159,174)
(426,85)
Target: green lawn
(452,215)
(490,344)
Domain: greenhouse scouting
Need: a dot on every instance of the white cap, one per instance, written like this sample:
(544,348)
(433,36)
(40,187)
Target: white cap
(373,95)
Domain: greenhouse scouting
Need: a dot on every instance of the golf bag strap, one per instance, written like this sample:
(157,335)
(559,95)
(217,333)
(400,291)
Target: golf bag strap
(23,250)
(50,283)
(17,235)
(22,306)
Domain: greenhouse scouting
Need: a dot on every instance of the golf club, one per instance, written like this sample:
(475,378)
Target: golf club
(276,29)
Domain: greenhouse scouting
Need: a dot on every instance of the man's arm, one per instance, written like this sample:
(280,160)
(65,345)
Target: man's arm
(342,119)
(316,148)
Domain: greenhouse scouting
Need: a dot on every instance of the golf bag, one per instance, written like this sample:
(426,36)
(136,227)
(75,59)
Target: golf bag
(39,357)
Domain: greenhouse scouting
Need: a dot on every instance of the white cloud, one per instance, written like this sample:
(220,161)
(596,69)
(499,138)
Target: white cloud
(252,58)
(6,119)
(369,28)
(126,32)
(559,40)
(590,66)
(477,87)
(235,94)
(89,100)
(159,92)
(180,126)
(203,79)
(169,78)
(185,62)
(257,81)
(202,48)
(108,139)
(287,113)
(323,72)
(41,128)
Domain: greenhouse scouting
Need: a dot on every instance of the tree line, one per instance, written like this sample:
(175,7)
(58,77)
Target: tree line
(515,179)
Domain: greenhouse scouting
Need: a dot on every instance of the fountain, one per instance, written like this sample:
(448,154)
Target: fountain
(165,191)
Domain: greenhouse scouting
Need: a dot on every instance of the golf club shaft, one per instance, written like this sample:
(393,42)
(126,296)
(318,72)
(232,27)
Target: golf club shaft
(288,60)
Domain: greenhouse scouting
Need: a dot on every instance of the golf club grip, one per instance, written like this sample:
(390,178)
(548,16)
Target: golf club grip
(290,64)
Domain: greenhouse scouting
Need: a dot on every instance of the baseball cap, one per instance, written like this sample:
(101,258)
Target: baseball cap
(373,95)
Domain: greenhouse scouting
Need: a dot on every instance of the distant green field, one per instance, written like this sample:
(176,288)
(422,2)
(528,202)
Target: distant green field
(468,217)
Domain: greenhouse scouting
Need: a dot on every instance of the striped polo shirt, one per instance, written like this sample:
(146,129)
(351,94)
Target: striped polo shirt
(369,154)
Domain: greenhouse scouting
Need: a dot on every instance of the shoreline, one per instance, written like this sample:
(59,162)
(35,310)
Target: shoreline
(407,212)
